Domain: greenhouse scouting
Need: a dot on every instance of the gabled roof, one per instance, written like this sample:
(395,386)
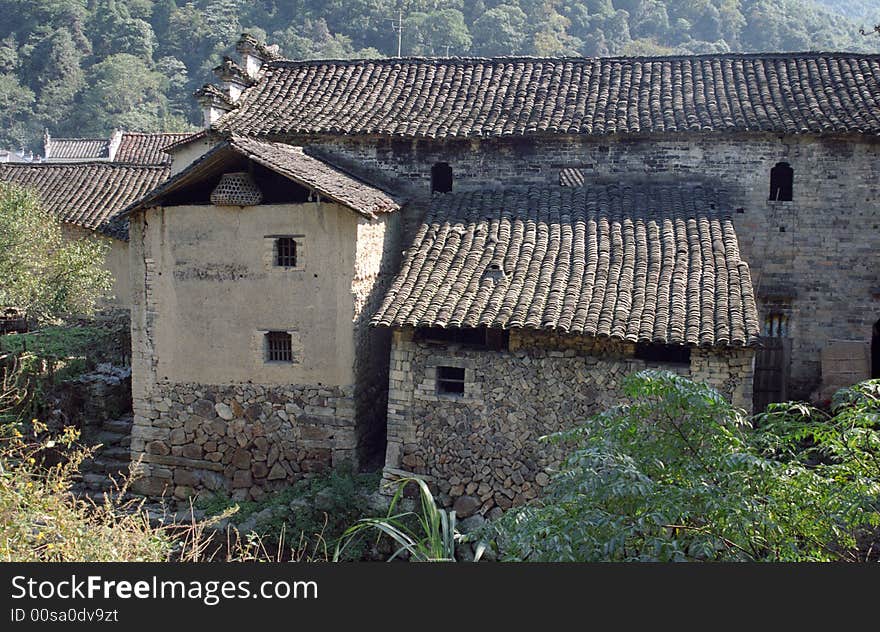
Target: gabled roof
(87,194)
(638,262)
(147,148)
(292,162)
(70,149)
(792,93)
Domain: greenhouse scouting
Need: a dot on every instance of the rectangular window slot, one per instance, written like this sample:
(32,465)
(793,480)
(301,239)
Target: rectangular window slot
(672,354)
(279,347)
(476,338)
(450,380)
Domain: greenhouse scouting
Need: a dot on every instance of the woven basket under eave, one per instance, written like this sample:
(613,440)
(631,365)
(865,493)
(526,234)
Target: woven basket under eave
(236,189)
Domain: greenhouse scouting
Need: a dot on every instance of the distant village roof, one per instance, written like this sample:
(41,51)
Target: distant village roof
(292,162)
(88,195)
(147,148)
(792,93)
(70,149)
(638,262)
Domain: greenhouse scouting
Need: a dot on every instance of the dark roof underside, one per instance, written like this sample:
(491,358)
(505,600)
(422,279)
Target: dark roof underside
(87,194)
(638,262)
(793,93)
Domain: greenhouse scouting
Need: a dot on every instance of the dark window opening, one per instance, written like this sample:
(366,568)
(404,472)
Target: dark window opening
(450,379)
(672,354)
(775,325)
(279,347)
(478,338)
(781,182)
(875,352)
(285,252)
(441,178)
(276,189)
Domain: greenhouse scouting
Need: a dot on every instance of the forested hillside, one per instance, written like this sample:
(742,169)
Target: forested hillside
(84,67)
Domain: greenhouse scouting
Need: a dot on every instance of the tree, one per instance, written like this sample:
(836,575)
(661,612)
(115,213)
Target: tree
(677,473)
(56,65)
(500,31)
(16,102)
(43,273)
(124,93)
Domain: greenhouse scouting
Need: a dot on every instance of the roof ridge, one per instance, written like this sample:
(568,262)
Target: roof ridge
(282,63)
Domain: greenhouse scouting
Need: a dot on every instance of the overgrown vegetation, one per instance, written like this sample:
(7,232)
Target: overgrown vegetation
(83,68)
(43,274)
(309,517)
(679,474)
(428,535)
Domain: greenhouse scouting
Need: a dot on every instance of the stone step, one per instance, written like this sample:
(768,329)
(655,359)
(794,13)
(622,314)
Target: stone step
(105,466)
(121,426)
(118,453)
(107,438)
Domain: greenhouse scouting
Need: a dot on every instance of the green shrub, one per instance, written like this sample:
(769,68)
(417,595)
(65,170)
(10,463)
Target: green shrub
(679,474)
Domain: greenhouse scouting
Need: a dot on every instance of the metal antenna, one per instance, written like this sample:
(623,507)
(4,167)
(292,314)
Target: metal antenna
(397,27)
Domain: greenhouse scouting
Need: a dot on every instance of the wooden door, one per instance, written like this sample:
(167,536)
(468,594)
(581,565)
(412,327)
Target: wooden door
(771,372)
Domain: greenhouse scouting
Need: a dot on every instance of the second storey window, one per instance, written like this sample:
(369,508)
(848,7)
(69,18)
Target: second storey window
(279,347)
(781,182)
(285,252)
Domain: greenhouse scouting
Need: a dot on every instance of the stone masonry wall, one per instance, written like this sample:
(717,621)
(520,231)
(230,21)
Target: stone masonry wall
(814,258)
(243,439)
(481,449)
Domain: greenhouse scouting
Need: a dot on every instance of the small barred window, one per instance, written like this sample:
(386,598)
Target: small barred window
(775,325)
(285,252)
(279,347)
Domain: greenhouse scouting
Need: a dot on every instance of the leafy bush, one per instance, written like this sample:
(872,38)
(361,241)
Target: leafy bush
(679,474)
(43,273)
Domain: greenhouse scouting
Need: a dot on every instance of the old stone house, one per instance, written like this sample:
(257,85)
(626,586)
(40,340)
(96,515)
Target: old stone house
(519,233)
(87,182)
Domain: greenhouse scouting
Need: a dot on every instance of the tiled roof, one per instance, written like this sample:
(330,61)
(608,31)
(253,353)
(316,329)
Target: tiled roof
(292,162)
(147,149)
(67,149)
(638,262)
(87,194)
(793,93)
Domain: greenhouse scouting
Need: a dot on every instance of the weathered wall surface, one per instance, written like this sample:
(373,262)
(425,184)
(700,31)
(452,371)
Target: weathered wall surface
(116,262)
(218,292)
(481,448)
(207,293)
(814,258)
(377,260)
(183,155)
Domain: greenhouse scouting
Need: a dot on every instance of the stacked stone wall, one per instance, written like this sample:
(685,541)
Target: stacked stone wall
(482,449)
(243,440)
